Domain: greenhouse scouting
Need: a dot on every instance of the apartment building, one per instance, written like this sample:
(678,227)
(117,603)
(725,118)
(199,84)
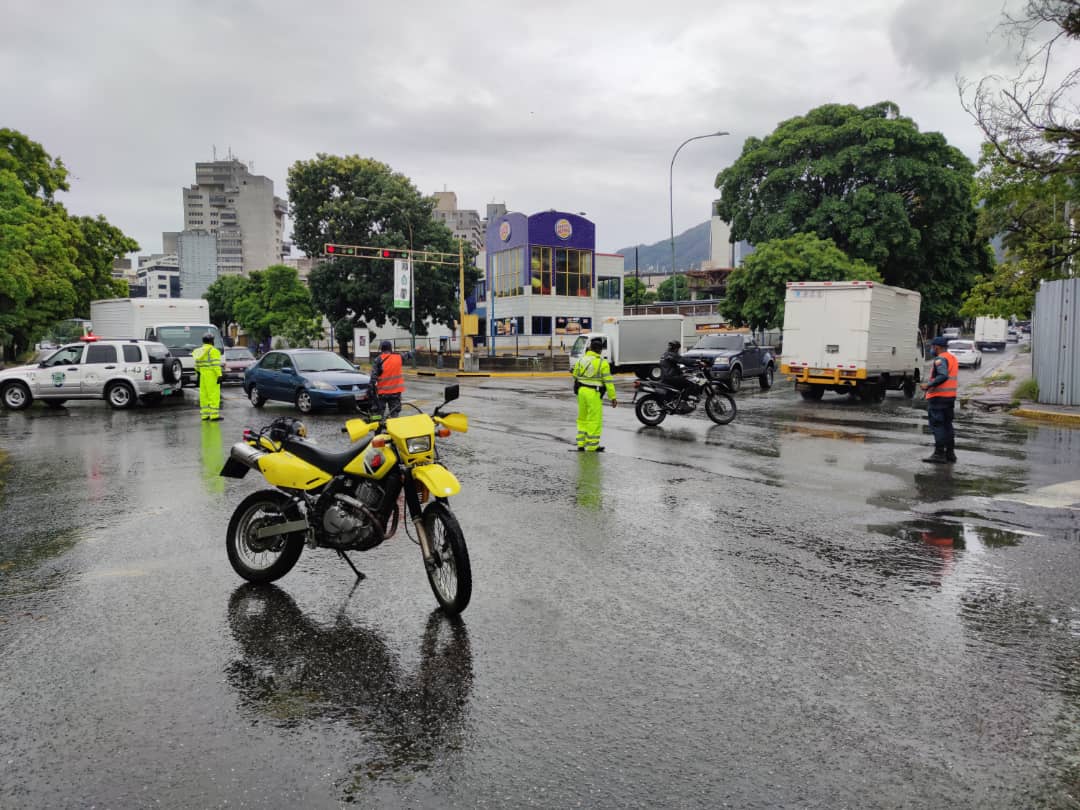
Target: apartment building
(464,223)
(240,210)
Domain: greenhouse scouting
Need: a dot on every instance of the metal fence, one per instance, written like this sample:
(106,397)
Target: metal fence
(1055,342)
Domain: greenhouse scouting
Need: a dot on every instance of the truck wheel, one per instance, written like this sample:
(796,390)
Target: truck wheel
(735,382)
(766,379)
(812,394)
(654,374)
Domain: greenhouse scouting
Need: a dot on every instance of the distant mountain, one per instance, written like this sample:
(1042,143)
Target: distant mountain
(691,249)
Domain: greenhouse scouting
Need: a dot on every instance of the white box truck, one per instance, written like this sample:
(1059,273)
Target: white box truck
(179,323)
(991,333)
(851,337)
(632,342)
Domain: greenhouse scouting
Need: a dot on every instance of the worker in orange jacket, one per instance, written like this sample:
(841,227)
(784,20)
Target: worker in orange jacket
(941,402)
(389,381)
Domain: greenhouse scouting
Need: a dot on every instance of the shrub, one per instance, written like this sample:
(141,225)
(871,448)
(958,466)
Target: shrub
(1028,389)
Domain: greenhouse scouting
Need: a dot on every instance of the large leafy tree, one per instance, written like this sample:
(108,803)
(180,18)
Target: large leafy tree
(867,179)
(221,297)
(635,293)
(51,265)
(276,303)
(756,290)
(360,201)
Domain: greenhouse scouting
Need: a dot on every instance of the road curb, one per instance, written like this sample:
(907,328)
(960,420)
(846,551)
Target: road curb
(1072,419)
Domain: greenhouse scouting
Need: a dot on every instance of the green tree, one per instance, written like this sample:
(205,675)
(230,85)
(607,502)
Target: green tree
(756,290)
(869,180)
(635,293)
(673,288)
(276,303)
(222,295)
(40,175)
(99,246)
(360,201)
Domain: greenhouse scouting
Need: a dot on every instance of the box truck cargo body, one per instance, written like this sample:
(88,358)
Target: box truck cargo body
(179,323)
(991,333)
(855,337)
(632,342)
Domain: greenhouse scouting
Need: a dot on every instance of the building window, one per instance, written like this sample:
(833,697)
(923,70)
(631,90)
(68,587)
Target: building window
(541,325)
(561,271)
(609,289)
(506,268)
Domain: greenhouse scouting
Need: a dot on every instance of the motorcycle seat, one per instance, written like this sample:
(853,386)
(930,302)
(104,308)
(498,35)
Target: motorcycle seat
(326,460)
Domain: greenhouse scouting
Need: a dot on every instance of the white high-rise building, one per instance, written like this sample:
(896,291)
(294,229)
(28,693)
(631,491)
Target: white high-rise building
(239,208)
(159,273)
(197,255)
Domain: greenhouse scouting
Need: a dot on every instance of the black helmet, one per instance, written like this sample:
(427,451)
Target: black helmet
(596,344)
(207,338)
(674,345)
(386,346)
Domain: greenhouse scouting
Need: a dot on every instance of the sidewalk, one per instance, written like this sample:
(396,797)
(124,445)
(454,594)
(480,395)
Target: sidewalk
(995,392)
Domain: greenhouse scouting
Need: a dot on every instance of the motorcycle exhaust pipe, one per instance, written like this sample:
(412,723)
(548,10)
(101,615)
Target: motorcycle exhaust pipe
(242,457)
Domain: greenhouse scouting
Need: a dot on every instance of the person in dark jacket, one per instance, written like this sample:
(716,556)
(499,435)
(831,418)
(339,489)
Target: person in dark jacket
(941,401)
(671,367)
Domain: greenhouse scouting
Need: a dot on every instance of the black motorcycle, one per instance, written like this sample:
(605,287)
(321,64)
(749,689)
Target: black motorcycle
(653,401)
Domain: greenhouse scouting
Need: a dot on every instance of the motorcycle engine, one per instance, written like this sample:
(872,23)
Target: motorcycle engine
(348,521)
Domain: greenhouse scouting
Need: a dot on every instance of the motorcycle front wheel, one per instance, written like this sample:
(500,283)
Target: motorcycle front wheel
(451,575)
(720,407)
(650,411)
(262,559)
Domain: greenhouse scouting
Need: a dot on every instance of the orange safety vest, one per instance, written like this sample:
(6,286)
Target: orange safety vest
(391,380)
(947,388)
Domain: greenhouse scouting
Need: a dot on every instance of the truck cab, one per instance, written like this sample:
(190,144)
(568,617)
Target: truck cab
(181,340)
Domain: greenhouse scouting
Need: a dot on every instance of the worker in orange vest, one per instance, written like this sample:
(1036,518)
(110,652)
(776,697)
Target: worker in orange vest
(389,381)
(941,401)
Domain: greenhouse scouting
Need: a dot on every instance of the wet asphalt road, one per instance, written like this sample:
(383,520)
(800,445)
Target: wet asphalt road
(788,611)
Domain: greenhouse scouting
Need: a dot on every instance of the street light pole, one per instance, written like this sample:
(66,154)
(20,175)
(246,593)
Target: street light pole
(671,203)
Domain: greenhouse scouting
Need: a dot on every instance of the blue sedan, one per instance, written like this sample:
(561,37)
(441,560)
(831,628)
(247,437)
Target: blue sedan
(309,378)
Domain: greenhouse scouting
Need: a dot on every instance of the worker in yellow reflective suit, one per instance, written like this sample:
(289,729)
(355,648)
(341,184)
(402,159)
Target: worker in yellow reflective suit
(209,367)
(592,377)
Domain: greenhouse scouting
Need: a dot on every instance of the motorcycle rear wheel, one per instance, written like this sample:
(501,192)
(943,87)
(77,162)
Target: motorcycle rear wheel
(650,411)
(451,579)
(720,407)
(265,560)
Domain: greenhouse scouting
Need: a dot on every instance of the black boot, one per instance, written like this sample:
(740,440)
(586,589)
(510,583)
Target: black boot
(950,453)
(937,457)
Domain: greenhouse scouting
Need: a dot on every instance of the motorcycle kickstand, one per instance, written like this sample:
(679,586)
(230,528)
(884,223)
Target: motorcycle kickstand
(359,574)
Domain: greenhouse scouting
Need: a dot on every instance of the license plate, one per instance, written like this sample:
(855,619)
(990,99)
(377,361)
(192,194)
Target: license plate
(166,391)
(360,397)
(816,371)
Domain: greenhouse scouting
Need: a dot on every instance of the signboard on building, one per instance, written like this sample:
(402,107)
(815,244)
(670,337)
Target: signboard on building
(402,283)
(567,325)
(506,326)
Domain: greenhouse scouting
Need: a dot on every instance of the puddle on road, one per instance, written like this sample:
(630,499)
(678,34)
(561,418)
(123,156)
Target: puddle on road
(948,534)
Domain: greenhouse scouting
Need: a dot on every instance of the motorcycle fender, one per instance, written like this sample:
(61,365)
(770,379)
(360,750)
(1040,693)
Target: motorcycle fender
(440,482)
(289,471)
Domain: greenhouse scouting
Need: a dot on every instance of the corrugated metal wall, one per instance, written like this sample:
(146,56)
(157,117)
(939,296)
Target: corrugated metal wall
(1055,339)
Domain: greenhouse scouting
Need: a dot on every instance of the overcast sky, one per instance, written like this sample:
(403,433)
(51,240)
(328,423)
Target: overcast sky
(570,105)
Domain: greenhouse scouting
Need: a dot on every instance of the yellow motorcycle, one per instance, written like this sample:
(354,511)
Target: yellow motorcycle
(351,500)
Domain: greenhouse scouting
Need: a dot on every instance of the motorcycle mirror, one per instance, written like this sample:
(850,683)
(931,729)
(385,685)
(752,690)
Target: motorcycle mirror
(450,393)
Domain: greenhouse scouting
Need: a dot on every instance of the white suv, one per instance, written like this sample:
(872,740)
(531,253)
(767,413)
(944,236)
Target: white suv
(118,371)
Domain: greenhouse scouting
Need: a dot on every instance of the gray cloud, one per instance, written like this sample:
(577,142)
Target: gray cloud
(565,104)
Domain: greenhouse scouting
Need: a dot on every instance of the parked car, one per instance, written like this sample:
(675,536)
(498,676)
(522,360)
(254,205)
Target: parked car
(1013,335)
(733,356)
(951,333)
(309,378)
(118,371)
(237,360)
(966,353)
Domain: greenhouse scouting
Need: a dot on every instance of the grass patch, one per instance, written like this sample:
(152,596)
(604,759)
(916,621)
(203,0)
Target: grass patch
(1028,389)
(1025,348)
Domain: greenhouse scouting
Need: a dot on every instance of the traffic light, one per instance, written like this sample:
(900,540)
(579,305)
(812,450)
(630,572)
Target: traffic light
(339,250)
(390,253)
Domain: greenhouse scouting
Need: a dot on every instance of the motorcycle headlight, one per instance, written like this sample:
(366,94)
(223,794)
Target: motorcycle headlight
(418,444)
(323,385)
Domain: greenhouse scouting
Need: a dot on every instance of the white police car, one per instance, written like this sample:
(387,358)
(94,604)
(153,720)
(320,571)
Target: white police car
(118,371)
